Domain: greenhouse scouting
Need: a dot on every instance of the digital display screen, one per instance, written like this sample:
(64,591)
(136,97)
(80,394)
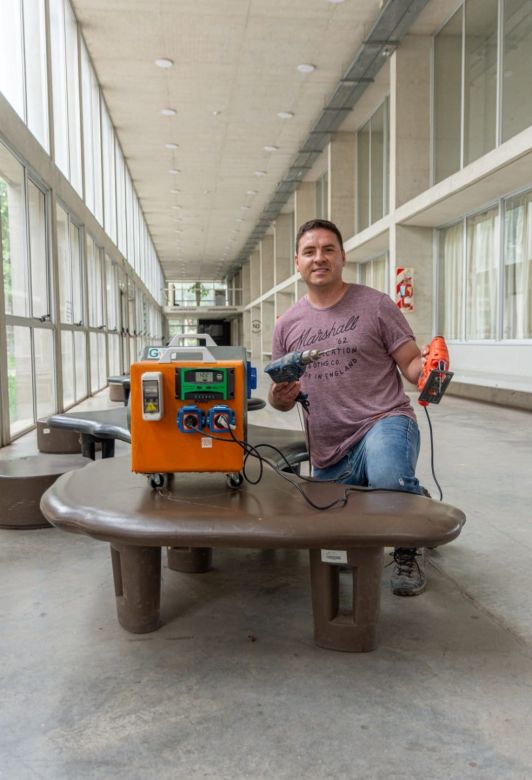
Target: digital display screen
(204,377)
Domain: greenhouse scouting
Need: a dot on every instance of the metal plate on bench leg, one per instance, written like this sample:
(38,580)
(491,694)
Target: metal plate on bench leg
(355,630)
(137,578)
(191,560)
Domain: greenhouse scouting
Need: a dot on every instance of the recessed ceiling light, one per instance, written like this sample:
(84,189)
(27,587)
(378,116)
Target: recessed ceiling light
(171,146)
(174,171)
(164,63)
(336,1)
(306,67)
(260,173)
(177,207)
(251,192)
(285,114)
(239,219)
(168,111)
(174,192)
(245,208)
(270,148)
(216,113)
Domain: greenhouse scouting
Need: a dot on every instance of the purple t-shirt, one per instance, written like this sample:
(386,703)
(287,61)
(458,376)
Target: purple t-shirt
(357,384)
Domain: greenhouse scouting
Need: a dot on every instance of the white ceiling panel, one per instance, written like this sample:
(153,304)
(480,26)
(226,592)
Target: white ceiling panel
(235,68)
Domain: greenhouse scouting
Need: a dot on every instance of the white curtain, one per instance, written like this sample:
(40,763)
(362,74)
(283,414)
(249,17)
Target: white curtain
(481,313)
(452,281)
(518,268)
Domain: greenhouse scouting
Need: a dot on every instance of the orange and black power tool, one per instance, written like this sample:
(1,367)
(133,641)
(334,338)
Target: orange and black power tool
(436,376)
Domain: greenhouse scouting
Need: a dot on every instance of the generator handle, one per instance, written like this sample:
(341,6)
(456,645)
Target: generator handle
(208,340)
(177,353)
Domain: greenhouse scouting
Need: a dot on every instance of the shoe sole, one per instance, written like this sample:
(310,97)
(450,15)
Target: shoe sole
(409,592)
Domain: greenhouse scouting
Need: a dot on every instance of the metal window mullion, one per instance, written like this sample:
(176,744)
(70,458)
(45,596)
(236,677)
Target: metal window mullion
(462,97)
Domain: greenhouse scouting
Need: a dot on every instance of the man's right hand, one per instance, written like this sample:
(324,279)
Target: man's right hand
(283,395)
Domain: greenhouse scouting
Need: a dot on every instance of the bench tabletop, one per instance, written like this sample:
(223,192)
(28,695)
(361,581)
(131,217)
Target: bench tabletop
(107,501)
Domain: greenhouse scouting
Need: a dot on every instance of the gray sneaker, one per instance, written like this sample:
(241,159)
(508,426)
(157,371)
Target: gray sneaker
(408,577)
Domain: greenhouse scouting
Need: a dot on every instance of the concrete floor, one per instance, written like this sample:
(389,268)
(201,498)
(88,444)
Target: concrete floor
(232,685)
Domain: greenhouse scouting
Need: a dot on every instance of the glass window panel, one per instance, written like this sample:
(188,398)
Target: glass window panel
(19,378)
(12,229)
(59,92)
(80,351)
(451,281)
(109,178)
(518,267)
(93,340)
(97,149)
(363,180)
(88,120)
(102,373)
(447,97)
(482,274)
(121,201)
(38,251)
(517,67)
(110,280)
(94,275)
(114,354)
(480,85)
(73,99)
(77,275)
(11,73)
(130,252)
(66,305)
(44,371)
(67,363)
(36,75)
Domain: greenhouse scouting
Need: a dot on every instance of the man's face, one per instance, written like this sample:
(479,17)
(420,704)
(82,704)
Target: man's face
(320,258)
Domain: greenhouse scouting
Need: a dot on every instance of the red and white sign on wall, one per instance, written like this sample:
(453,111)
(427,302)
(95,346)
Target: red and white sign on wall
(404,288)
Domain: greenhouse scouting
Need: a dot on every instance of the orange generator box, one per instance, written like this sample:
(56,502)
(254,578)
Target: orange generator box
(188,410)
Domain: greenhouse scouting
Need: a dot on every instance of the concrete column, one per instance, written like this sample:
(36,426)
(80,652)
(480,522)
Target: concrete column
(304,203)
(341,195)
(246,283)
(410,70)
(412,247)
(283,260)
(254,263)
(267,262)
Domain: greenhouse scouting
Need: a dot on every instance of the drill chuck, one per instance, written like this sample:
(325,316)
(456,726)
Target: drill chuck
(292,366)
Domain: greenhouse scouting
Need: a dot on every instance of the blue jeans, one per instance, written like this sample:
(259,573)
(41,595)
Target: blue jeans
(385,458)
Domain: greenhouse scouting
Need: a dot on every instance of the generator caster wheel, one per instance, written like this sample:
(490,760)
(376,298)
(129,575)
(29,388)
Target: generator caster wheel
(159,481)
(234,481)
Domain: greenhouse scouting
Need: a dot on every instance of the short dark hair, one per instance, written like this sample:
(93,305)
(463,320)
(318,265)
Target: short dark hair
(318,224)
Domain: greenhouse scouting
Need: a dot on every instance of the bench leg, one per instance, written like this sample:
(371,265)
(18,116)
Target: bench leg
(191,560)
(137,578)
(356,631)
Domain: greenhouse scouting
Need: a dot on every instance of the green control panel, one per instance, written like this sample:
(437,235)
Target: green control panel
(205,384)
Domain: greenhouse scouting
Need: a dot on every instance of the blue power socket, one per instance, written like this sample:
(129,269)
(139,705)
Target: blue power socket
(220,418)
(190,419)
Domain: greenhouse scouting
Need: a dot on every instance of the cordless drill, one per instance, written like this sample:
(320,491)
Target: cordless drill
(436,376)
(292,366)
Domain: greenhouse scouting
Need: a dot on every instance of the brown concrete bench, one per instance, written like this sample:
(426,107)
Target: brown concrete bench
(108,502)
(22,483)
